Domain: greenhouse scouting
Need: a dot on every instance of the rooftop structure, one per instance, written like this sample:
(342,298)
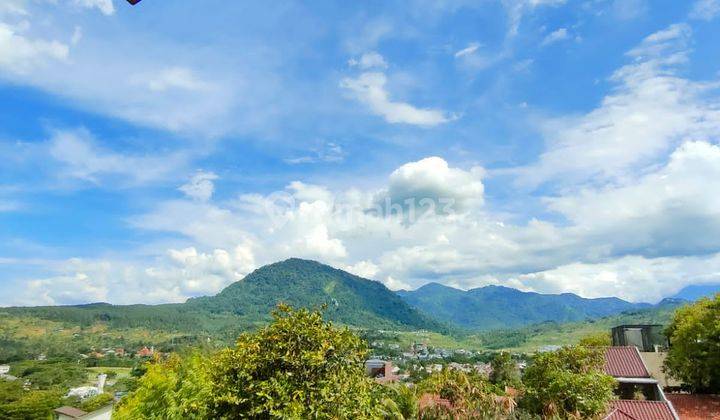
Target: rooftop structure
(646,337)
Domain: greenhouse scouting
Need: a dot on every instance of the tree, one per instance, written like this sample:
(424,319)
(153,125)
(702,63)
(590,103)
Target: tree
(174,388)
(468,395)
(18,404)
(504,371)
(694,355)
(568,383)
(598,339)
(297,367)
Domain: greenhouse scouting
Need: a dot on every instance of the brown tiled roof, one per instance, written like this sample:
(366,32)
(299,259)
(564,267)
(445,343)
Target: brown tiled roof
(640,410)
(695,406)
(70,412)
(624,362)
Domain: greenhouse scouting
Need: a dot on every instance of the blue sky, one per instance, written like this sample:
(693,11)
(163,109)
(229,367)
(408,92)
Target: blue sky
(160,151)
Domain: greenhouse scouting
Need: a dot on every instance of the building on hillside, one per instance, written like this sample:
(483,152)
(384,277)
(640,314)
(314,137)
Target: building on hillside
(381,370)
(4,369)
(640,395)
(120,352)
(145,352)
(70,413)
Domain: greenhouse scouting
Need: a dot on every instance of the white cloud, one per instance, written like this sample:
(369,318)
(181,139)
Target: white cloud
(81,158)
(431,184)
(366,269)
(516,9)
(705,9)
(616,239)
(631,277)
(649,112)
(369,60)
(327,153)
(674,210)
(555,36)
(369,88)
(470,49)
(180,274)
(106,7)
(200,187)
(173,78)
(19,54)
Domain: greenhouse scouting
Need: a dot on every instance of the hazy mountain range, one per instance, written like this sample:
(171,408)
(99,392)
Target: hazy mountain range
(350,300)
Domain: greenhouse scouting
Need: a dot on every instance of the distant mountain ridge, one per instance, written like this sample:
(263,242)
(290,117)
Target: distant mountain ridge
(496,307)
(350,299)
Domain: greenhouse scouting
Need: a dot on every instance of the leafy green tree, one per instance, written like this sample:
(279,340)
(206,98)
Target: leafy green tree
(18,404)
(469,394)
(568,383)
(96,402)
(694,355)
(297,367)
(598,339)
(174,388)
(504,371)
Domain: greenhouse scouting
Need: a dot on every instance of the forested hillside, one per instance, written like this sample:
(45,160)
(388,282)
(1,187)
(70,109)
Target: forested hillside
(498,307)
(246,304)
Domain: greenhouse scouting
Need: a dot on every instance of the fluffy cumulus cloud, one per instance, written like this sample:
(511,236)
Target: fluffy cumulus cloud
(650,111)
(369,88)
(431,184)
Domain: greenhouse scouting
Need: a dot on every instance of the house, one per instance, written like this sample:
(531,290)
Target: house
(4,369)
(120,352)
(381,370)
(69,413)
(145,352)
(640,395)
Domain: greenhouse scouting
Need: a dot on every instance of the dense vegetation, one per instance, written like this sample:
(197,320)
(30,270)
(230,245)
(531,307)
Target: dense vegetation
(497,307)
(301,366)
(297,367)
(351,300)
(694,355)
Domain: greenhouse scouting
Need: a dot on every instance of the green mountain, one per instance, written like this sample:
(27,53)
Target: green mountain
(498,307)
(350,299)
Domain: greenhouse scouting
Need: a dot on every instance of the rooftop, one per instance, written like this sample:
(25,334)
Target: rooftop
(640,410)
(70,412)
(624,362)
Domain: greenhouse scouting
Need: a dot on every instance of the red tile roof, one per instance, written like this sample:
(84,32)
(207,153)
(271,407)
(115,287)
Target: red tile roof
(624,362)
(696,407)
(640,410)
